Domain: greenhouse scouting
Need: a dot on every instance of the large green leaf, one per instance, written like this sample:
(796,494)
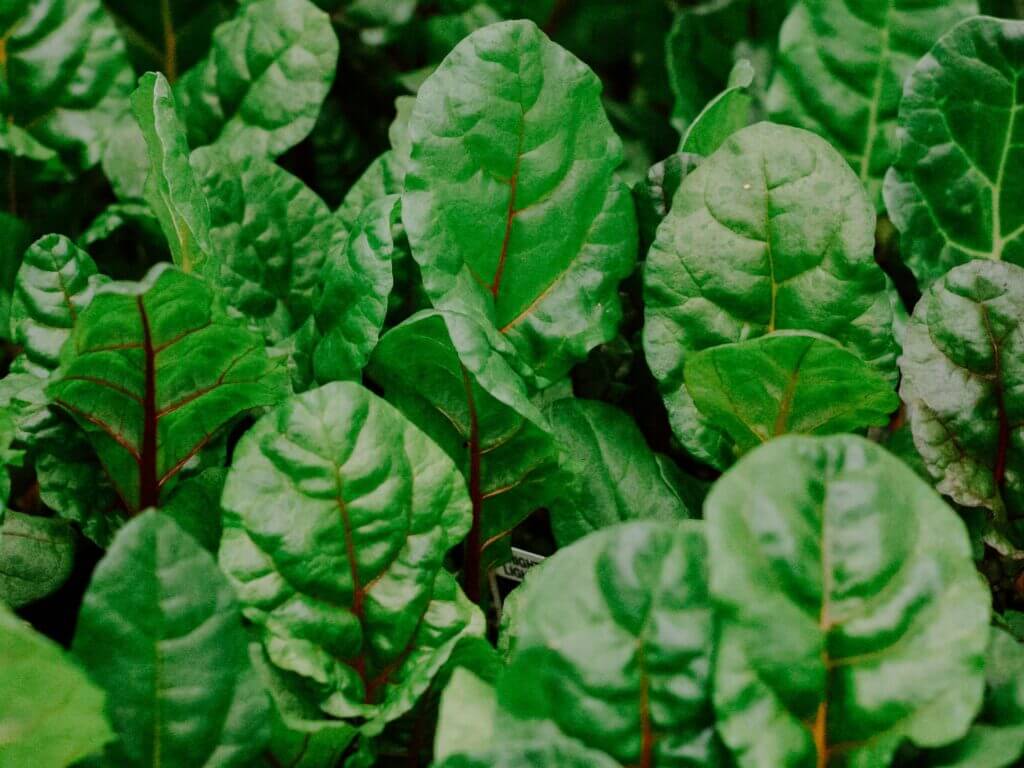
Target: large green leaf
(787,382)
(476,408)
(612,475)
(259,90)
(511,204)
(63,76)
(55,283)
(956,192)
(36,556)
(841,68)
(963,383)
(161,633)
(772,232)
(50,715)
(850,613)
(153,371)
(347,588)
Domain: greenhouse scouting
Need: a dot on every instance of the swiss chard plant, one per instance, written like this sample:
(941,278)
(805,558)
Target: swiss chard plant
(512,384)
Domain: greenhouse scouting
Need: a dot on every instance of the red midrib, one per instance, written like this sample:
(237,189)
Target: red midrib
(471,561)
(646,730)
(1003,440)
(358,592)
(149,485)
(510,214)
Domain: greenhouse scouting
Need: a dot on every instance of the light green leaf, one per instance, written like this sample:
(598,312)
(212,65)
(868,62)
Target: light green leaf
(787,382)
(158,598)
(51,714)
(850,613)
(955,191)
(727,113)
(772,232)
(511,205)
(36,557)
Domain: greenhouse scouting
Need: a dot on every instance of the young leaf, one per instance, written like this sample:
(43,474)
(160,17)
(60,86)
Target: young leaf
(654,195)
(172,189)
(36,556)
(615,477)
(51,715)
(963,373)
(347,591)
(180,688)
(259,90)
(55,283)
(611,641)
(772,232)
(841,69)
(727,113)
(850,613)
(476,408)
(153,371)
(955,191)
(64,76)
(511,204)
(787,382)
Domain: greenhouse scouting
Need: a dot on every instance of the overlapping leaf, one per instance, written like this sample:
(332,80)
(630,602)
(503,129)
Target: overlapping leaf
(850,614)
(956,191)
(36,556)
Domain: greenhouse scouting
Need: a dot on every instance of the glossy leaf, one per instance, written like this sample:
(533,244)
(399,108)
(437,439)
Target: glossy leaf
(36,557)
(841,69)
(963,373)
(259,90)
(37,728)
(956,191)
(55,283)
(153,371)
(772,232)
(511,204)
(158,598)
(787,382)
(347,590)
(476,408)
(64,76)
(850,614)
(727,113)
(615,477)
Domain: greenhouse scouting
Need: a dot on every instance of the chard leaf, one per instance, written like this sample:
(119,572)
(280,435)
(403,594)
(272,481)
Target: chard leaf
(725,114)
(787,382)
(171,188)
(64,77)
(36,557)
(653,195)
(158,598)
(615,477)
(347,592)
(384,176)
(772,232)
(511,205)
(611,641)
(955,191)
(850,614)
(477,409)
(841,68)
(37,727)
(152,372)
(963,373)
(14,238)
(259,90)
(54,285)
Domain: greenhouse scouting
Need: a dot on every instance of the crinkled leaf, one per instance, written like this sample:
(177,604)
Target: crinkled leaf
(51,715)
(841,68)
(850,613)
(772,232)
(55,283)
(787,382)
(963,383)
(384,176)
(64,75)
(159,601)
(476,408)
(615,476)
(727,113)
(511,204)
(956,192)
(259,90)
(153,371)
(36,557)
(347,591)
